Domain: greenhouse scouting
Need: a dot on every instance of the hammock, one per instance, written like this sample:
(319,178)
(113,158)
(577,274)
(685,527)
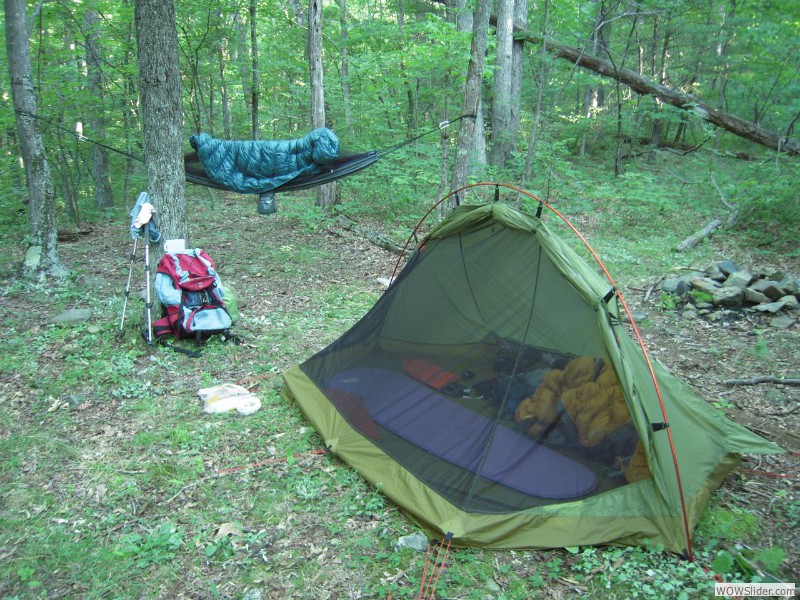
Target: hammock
(341,167)
(262,167)
(310,174)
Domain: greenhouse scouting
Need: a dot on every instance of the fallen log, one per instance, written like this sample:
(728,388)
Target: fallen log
(374,237)
(715,224)
(642,85)
(762,379)
(700,235)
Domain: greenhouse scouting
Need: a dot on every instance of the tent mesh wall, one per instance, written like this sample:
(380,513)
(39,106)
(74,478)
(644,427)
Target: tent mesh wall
(482,372)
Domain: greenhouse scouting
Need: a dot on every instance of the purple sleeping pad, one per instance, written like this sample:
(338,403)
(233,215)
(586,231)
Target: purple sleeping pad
(458,435)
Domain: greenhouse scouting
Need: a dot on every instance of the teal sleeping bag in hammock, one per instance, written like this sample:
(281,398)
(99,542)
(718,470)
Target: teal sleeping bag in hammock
(255,167)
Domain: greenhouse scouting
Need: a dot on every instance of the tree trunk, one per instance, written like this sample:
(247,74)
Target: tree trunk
(472,94)
(502,131)
(222,54)
(517,69)
(464,22)
(345,76)
(480,157)
(464,17)
(699,236)
(725,36)
(506,94)
(593,96)
(41,258)
(130,109)
(618,91)
(242,60)
(401,21)
(162,113)
(453,9)
(326,197)
(660,74)
(193,82)
(527,173)
(297,11)
(103,194)
(67,166)
(254,53)
(373,237)
(642,85)
(70,204)
(444,144)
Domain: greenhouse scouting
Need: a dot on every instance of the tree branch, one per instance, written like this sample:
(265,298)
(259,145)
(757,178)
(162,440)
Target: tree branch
(734,211)
(762,379)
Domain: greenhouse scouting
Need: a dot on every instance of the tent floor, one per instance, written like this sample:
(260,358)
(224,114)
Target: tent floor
(470,365)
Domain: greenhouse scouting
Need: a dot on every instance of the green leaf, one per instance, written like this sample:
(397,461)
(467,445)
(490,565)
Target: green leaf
(771,558)
(723,563)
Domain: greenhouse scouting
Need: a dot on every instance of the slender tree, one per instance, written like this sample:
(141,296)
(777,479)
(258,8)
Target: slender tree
(162,113)
(103,194)
(130,99)
(325,193)
(454,9)
(244,64)
(726,33)
(517,69)
(503,141)
(345,71)
(594,95)
(64,156)
(527,172)
(465,21)
(472,93)
(255,73)
(659,73)
(297,11)
(41,258)
(222,55)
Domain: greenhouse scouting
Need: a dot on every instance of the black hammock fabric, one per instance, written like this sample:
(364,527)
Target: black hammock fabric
(258,167)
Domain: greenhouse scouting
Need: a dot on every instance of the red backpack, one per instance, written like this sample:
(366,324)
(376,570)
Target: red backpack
(192,297)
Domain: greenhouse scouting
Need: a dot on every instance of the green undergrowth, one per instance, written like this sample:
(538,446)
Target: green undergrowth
(114,483)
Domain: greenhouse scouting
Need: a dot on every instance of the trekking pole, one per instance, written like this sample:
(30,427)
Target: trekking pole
(147,285)
(128,286)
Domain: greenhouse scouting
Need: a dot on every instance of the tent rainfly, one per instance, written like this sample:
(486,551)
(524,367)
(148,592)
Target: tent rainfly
(495,396)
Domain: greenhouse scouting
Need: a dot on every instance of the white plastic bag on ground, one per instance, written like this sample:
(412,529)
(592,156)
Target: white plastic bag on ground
(227,397)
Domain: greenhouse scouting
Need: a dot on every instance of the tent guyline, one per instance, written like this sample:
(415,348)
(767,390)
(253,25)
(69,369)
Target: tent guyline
(435,563)
(495,395)
(261,167)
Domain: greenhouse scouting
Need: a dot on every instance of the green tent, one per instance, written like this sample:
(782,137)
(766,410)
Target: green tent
(495,396)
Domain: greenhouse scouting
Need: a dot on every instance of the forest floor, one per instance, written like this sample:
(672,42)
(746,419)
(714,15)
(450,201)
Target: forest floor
(113,481)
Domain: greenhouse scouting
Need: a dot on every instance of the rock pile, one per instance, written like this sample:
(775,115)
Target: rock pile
(722,287)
